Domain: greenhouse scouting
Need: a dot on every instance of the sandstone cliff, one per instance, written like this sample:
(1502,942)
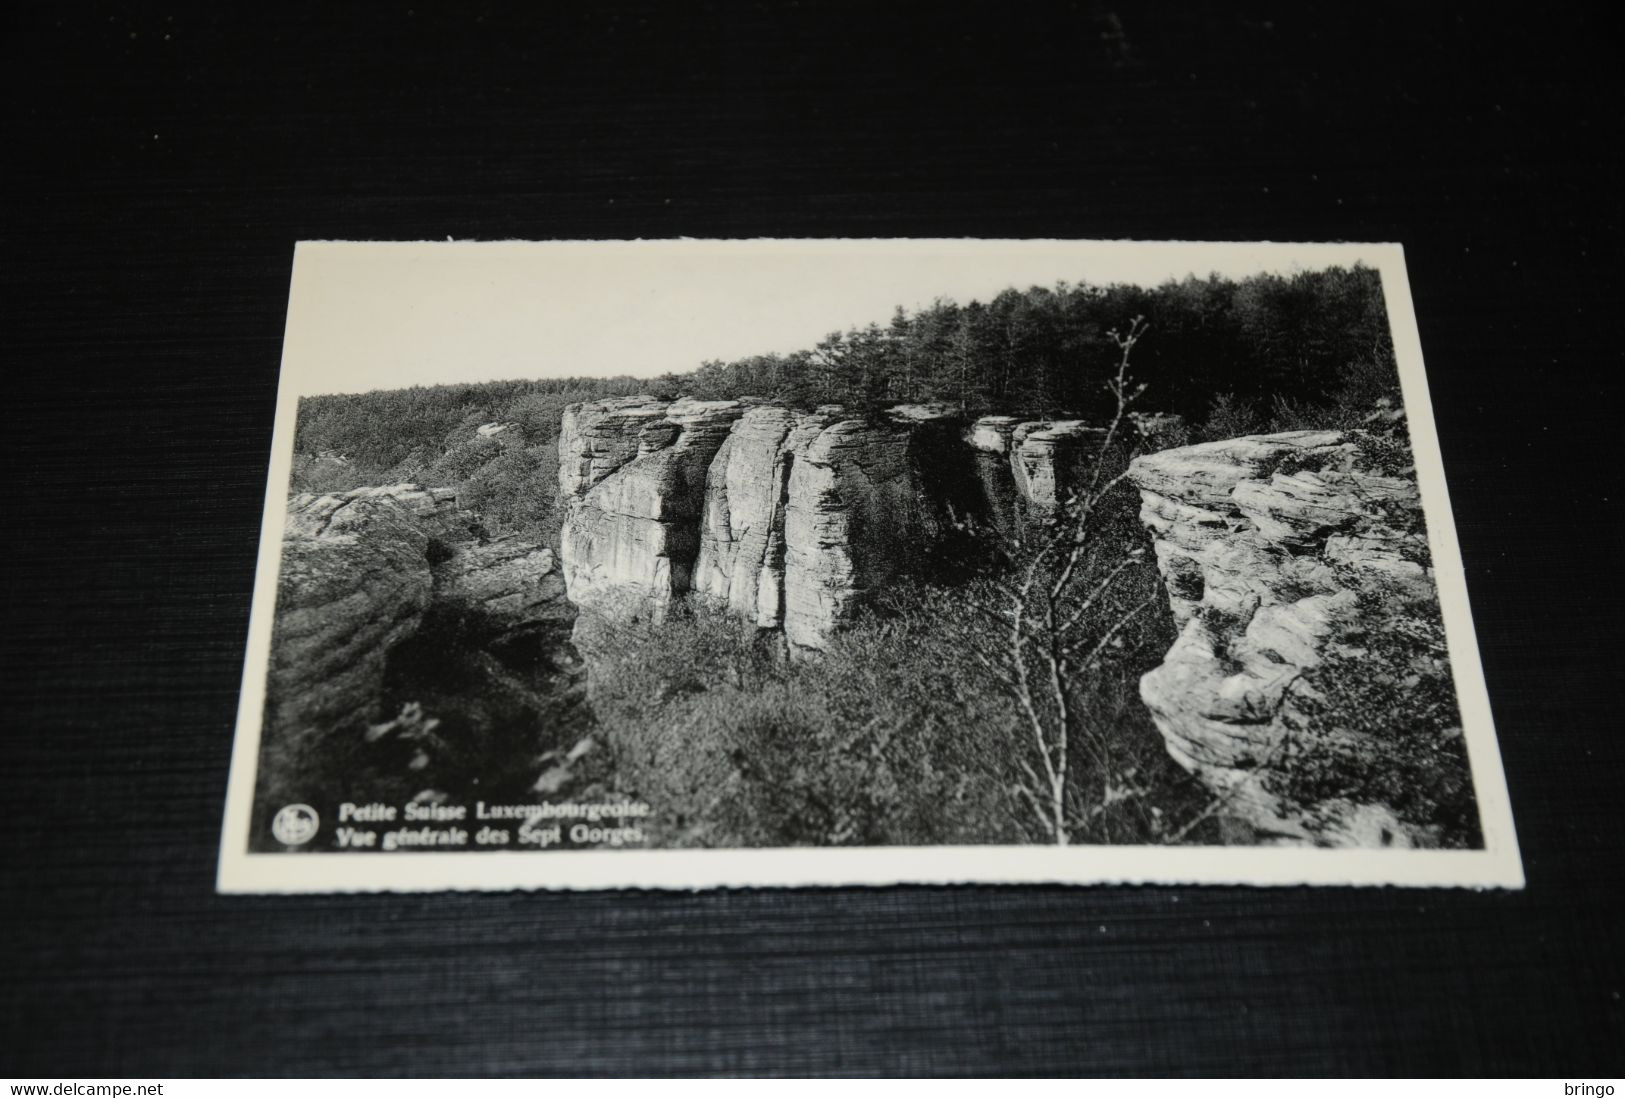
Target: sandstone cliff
(853,513)
(1285,555)
(512,582)
(1044,457)
(787,518)
(790,519)
(632,476)
(742,548)
(1029,467)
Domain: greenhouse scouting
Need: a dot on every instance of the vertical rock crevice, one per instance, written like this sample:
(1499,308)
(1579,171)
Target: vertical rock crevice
(788,519)
(634,474)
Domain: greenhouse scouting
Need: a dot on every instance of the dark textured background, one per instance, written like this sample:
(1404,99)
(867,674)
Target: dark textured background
(161,163)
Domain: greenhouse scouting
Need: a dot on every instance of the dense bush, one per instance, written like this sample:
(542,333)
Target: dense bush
(887,738)
(515,493)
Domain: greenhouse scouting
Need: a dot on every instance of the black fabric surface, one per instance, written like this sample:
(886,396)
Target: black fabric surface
(162,162)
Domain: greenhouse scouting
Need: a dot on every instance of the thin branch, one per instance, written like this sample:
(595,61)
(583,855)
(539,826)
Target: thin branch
(1094,596)
(1100,645)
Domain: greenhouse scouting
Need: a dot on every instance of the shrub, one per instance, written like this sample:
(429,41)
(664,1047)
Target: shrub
(1230,416)
(1387,454)
(516,492)
(320,474)
(882,740)
(1383,725)
(1289,414)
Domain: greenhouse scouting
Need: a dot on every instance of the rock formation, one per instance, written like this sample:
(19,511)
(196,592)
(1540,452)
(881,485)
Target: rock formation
(853,512)
(511,581)
(599,437)
(354,583)
(742,548)
(1029,467)
(1275,550)
(360,569)
(786,518)
(632,473)
(1046,457)
(790,519)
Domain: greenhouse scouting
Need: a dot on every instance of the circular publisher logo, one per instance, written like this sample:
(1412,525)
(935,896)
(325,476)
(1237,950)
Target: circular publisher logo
(295,824)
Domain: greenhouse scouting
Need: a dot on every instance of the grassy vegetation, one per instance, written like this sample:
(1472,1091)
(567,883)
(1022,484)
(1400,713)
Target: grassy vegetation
(895,736)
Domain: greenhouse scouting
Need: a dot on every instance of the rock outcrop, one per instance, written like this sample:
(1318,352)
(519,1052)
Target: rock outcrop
(633,473)
(1275,549)
(599,437)
(360,569)
(1046,458)
(1029,468)
(790,519)
(853,512)
(511,581)
(787,518)
(742,549)
(354,582)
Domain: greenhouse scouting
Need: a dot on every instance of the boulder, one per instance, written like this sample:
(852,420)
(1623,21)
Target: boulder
(991,434)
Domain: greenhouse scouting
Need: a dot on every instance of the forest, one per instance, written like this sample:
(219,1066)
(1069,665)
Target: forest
(1268,352)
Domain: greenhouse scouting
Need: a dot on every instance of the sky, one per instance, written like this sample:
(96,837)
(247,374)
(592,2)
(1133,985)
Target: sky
(365,316)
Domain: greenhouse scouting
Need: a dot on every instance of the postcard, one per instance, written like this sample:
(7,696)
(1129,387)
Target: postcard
(704,563)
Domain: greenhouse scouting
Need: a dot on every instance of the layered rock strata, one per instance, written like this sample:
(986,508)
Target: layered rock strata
(359,571)
(853,511)
(511,581)
(742,547)
(1274,549)
(354,582)
(1030,467)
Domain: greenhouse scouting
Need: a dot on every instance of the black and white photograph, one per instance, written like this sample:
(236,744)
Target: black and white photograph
(686,563)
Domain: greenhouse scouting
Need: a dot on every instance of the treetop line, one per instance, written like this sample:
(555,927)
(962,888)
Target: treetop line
(1308,349)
